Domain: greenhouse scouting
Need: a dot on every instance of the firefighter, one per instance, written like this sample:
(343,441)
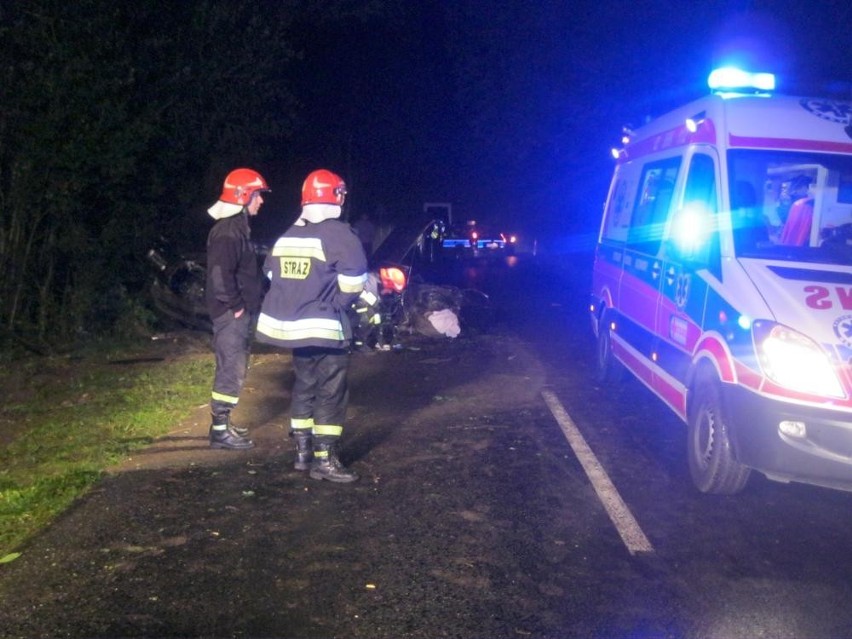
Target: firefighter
(234,291)
(317,269)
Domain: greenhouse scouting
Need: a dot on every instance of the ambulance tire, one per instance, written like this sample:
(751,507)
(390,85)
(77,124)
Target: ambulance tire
(608,370)
(711,460)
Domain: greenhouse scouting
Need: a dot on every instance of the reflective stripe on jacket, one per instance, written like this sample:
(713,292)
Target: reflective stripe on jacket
(316,271)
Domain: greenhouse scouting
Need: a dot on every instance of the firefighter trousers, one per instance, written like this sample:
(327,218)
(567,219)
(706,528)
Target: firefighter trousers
(320,392)
(232,347)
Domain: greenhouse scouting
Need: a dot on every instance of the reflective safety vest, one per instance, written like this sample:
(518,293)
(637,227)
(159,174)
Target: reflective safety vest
(316,271)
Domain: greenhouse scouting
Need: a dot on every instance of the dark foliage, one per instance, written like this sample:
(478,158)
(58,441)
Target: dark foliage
(119,120)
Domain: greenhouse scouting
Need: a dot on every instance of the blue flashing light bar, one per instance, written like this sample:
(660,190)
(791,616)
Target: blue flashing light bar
(734,79)
(455,243)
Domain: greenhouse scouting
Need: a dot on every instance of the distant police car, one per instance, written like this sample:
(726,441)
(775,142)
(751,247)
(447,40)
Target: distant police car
(723,280)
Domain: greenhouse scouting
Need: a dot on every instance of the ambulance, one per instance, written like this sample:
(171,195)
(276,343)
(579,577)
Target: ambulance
(722,280)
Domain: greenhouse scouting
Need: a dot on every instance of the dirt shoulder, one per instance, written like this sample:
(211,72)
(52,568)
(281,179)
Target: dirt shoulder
(262,407)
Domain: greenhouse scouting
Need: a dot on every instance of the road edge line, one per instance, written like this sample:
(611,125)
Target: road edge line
(623,520)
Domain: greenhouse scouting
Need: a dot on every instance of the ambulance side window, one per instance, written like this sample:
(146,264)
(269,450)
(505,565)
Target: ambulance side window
(694,232)
(653,200)
(617,219)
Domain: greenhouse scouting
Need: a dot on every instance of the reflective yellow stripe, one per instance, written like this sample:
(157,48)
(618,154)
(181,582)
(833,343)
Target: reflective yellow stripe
(225,398)
(328,429)
(301,424)
(351,283)
(289,331)
(299,247)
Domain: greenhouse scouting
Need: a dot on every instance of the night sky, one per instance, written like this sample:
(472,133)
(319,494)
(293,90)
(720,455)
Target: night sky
(508,109)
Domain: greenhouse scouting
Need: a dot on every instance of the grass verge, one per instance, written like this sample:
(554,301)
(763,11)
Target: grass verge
(81,421)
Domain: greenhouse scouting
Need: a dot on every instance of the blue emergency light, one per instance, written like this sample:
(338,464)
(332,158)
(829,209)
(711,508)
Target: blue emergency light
(734,80)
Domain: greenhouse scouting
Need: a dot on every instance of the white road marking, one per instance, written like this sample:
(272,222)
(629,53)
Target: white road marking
(618,512)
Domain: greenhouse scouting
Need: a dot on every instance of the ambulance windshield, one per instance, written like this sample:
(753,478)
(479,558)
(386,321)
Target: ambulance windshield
(791,206)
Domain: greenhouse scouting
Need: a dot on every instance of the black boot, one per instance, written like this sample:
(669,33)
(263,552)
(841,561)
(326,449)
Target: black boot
(228,439)
(242,431)
(304,448)
(327,466)
(222,415)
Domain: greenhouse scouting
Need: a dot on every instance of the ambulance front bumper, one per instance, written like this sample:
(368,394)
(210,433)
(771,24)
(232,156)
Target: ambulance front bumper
(791,443)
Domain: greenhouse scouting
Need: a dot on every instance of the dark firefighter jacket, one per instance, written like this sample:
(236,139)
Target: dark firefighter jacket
(316,271)
(234,280)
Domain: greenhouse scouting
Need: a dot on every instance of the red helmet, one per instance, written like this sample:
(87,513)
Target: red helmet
(240,185)
(323,187)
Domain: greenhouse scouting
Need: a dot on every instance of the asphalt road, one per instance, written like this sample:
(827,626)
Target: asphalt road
(474,517)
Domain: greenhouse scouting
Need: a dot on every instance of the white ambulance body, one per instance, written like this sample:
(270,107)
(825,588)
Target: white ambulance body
(728,292)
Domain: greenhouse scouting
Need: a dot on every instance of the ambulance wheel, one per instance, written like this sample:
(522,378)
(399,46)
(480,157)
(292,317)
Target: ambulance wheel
(607,369)
(711,459)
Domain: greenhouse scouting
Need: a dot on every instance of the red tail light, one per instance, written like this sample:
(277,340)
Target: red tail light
(393,278)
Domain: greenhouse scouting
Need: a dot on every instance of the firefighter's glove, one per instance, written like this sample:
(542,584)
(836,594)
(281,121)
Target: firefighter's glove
(365,306)
(367,298)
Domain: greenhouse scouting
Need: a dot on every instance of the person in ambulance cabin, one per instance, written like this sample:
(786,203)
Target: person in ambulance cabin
(797,228)
(317,269)
(234,290)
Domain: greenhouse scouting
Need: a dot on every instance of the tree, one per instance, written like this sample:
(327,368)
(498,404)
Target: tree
(118,118)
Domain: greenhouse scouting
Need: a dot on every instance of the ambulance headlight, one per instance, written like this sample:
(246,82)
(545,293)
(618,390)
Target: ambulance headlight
(794,361)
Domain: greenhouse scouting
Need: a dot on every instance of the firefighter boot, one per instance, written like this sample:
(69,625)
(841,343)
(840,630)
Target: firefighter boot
(242,431)
(221,414)
(304,449)
(223,436)
(327,466)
